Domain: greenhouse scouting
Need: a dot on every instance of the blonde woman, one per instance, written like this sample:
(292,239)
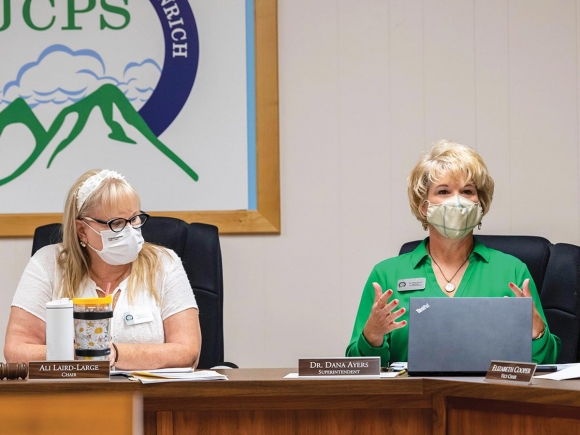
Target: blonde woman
(450,190)
(102,253)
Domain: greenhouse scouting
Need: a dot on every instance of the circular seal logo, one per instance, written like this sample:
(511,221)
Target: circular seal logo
(179,66)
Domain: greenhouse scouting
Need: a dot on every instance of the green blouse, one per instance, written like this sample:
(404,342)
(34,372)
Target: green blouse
(488,274)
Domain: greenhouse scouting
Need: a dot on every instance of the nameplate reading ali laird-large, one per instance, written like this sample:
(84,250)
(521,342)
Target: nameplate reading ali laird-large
(68,370)
(369,367)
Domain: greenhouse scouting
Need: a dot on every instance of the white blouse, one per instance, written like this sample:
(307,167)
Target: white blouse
(40,280)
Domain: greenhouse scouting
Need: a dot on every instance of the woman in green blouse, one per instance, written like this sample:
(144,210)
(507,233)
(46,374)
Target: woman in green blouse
(450,190)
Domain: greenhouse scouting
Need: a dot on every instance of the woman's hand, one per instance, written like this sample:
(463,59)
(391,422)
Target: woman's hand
(181,348)
(538,325)
(382,318)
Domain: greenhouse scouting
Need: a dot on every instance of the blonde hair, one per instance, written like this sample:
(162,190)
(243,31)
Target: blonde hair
(448,159)
(75,261)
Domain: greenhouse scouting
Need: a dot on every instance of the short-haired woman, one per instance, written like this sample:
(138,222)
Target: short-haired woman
(450,190)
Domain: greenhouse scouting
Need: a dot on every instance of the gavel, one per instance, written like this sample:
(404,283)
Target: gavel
(13,370)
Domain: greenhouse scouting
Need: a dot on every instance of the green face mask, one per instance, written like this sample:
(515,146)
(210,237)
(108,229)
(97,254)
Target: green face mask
(455,217)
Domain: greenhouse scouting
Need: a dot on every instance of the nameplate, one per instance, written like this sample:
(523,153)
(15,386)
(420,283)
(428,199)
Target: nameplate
(509,371)
(368,367)
(68,370)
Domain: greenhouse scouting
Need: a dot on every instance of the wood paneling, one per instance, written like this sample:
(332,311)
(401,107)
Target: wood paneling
(305,422)
(449,73)
(69,414)
(483,417)
(260,401)
(543,97)
(492,106)
(475,422)
(407,138)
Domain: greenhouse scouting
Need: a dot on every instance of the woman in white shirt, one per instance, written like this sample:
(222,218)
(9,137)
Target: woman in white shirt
(102,253)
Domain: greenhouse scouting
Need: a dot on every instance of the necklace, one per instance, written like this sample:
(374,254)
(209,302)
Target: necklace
(449,287)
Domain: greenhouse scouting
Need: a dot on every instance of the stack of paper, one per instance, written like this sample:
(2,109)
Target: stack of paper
(565,371)
(170,375)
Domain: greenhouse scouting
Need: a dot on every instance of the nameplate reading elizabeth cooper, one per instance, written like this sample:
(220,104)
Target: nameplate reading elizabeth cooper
(509,371)
(368,367)
(68,370)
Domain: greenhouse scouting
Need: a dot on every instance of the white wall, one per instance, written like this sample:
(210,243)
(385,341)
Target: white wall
(365,87)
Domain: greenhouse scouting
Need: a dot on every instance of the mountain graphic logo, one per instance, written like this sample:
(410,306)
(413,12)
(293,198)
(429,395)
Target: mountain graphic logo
(104,98)
(148,97)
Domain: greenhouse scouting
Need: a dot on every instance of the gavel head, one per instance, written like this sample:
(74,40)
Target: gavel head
(13,370)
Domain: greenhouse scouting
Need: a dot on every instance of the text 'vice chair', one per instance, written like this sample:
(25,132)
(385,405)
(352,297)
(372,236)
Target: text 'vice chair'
(555,269)
(198,246)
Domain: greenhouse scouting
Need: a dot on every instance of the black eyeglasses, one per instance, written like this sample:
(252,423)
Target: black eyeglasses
(118,224)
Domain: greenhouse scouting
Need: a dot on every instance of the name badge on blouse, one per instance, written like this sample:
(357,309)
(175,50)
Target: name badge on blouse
(136,318)
(405,285)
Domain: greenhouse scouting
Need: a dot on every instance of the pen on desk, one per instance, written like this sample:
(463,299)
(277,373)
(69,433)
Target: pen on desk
(402,372)
(550,368)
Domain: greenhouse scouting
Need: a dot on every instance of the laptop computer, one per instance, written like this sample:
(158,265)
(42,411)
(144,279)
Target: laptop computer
(461,336)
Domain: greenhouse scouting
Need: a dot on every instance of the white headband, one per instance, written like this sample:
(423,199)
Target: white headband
(91,184)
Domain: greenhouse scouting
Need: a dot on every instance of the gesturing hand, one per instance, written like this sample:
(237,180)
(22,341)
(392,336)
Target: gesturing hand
(382,318)
(537,321)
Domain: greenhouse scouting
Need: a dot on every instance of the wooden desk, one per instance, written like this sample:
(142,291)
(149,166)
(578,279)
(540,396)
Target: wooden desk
(71,413)
(470,405)
(260,401)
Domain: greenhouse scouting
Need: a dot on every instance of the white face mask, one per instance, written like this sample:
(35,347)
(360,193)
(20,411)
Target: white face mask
(119,248)
(455,217)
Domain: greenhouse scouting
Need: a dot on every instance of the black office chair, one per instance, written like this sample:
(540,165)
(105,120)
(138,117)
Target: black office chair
(199,248)
(556,272)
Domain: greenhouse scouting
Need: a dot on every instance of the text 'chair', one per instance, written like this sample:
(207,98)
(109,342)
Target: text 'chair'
(555,269)
(198,246)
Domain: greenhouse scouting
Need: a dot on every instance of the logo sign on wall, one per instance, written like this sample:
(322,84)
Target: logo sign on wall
(159,90)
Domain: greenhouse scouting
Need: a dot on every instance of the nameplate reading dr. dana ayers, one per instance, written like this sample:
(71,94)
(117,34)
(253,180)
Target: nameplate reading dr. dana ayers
(340,367)
(68,370)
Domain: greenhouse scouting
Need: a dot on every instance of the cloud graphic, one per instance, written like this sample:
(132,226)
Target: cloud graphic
(62,76)
(140,80)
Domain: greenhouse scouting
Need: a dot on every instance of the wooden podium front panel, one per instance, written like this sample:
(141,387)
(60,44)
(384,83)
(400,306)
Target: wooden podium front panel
(71,414)
(471,405)
(257,402)
(304,422)
(261,401)
(493,417)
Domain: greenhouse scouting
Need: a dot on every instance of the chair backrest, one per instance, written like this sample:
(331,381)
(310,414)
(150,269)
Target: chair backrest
(556,272)
(561,298)
(199,248)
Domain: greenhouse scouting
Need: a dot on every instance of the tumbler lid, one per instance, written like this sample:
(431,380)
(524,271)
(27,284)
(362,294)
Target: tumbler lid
(93,301)
(60,303)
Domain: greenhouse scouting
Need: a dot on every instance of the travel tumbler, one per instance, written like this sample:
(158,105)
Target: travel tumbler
(92,322)
(59,330)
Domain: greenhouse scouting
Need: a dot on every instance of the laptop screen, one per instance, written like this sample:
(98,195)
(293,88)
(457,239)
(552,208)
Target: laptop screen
(461,336)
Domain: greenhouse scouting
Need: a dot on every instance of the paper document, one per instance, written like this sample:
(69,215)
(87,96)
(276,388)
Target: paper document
(399,365)
(171,375)
(565,371)
(382,375)
(392,374)
(154,371)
